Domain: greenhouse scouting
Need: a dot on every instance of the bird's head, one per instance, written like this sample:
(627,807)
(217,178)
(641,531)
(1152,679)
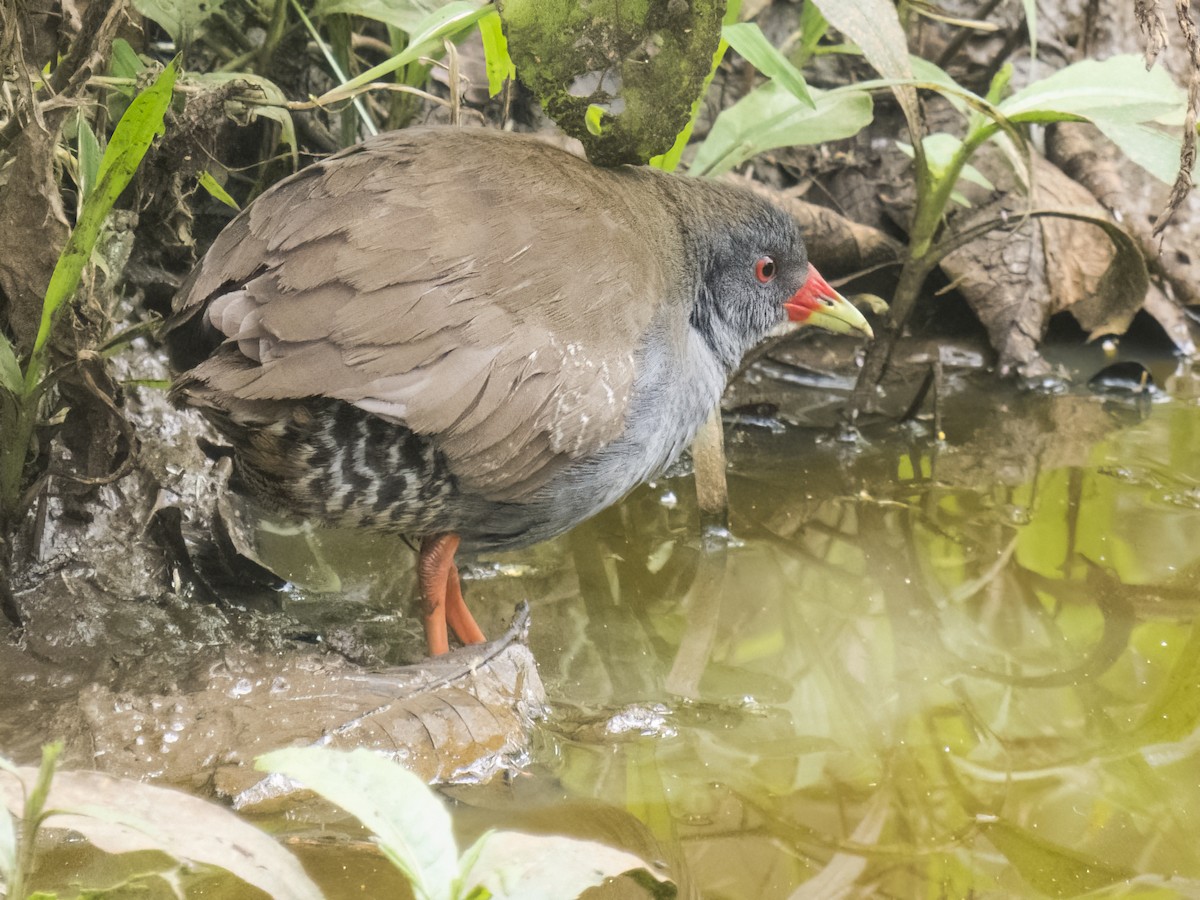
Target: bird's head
(757,281)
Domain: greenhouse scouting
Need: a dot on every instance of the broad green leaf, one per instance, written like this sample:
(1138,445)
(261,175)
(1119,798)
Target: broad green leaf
(122,816)
(10,369)
(181,19)
(1052,869)
(748,40)
(1151,148)
(499,64)
(515,866)
(770,117)
(1118,89)
(138,128)
(933,74)
(407,15)
(410,824)
(125,63)
(142,122)
(874,25)
(89,159)
(214,188)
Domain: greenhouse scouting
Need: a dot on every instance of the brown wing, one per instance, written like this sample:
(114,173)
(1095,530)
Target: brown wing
(494,302)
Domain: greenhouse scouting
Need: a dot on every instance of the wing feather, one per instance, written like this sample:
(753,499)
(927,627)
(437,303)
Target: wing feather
(428,296)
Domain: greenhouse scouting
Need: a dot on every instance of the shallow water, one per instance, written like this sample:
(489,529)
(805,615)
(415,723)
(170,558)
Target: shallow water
(916,668)
(966,669)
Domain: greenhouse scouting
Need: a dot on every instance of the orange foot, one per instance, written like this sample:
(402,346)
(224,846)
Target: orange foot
(442,596)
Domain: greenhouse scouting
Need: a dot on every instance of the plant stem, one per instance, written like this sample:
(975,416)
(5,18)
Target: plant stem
(933,196)
(908,287)
(31,821)
(275,32)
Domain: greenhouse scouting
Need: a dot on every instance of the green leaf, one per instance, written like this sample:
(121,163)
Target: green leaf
(875,26)
(999,83)
(89,159)
(124,63)
(407,15)
(10,368)
(515,866)
(181,19)
(410,824)
(1151,148)
(142,122)
(1031,21)
(122,816)
(1119,89)
(450,20)
(813,27)
(499,64)
(933,74)
(594,119)
(748,40)
(214,188)
(940,150)
(1052,869)
(771,116)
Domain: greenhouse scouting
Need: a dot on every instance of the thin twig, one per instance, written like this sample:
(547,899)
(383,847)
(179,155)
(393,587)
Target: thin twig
(1187,152)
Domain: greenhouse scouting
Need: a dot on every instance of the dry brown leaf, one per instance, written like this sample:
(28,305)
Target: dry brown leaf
(458,718)
(1078,256)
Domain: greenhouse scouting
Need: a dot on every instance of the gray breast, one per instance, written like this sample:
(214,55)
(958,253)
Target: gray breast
(679,382)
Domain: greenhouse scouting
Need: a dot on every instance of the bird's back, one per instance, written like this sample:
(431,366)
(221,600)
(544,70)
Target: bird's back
(478,300)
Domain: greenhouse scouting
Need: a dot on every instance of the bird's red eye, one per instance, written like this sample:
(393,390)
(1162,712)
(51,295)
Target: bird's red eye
(764,269)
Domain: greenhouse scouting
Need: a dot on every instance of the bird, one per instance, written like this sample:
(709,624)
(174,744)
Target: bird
(477,340)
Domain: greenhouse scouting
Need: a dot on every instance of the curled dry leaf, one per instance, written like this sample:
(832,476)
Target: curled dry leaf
(460,718)
(1091,271)
(1133,199)
(1067,255)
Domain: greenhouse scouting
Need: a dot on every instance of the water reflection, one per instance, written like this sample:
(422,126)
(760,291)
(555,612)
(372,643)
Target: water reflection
(966,669)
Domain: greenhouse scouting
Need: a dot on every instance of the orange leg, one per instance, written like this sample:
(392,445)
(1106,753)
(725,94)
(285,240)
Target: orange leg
(442,596)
